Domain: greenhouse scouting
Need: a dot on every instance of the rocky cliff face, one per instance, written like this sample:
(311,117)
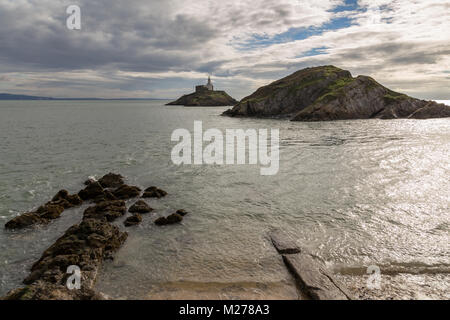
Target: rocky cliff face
(330,93)
(205,98)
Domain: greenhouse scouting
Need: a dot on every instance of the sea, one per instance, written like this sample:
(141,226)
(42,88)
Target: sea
(354,193)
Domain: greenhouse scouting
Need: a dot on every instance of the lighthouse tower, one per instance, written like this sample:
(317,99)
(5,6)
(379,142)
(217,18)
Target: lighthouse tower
(209,85)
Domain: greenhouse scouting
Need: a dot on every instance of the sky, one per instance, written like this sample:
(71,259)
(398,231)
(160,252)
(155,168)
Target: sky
(163,48)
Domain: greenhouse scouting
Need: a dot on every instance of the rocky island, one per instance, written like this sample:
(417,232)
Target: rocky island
(205,96)
(329,93)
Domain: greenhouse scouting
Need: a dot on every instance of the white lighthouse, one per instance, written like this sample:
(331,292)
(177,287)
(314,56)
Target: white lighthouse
(209,85)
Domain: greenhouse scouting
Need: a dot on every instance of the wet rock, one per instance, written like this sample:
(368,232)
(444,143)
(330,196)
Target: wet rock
(89,181)
(111,180)
(140,207)
(92,191)
(174,218)
(108,210)
(313,279)
(182,212)
(283,243)
(133,220)
(171,219)
(50,211)
(127,192)
(154,192)
(85,245)
(25,220)
(66,200)
(106,196)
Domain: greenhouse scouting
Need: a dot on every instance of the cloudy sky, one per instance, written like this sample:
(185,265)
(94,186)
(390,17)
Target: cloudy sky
(162,48)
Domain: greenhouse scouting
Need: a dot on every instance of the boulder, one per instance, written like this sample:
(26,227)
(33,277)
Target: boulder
(154,192)
(25,220)
(127,192)
(171,219)
(106,210)
(111,180)
(92,191)
(182,212)
(140,207)
(133,220)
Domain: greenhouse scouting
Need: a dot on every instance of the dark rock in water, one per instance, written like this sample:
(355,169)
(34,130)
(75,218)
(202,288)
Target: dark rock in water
(205,98)
(62,194)
(330,93)
(50,211)
(66,200)
(140,207)
(44,214)
(127,192)
(313,279)
(25,220)
(154,192)
(174,218)
(85,245)
(182,212)
(111,180)
(284,244)
(171,219)
(89,181)
(106,210)
(133,220)
(106,196)
(92,191)
(161,221)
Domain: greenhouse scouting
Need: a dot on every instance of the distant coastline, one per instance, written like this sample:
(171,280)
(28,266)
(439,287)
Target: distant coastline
(7,96)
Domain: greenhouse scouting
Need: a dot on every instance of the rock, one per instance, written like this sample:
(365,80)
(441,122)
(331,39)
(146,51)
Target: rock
(154,192)
(329,93)
(66,200)
(174,218)
(205,98)
(133,220)
(111,180)
(106,196)
(140,207)
(182,212)
(317,283)
(283,243)
(50,211)
(92,191)
(161,221)
(44,214)
(89,181)
(171,219)
(62,194)
(85,245)
(106,210)
(25,220)
(126,192)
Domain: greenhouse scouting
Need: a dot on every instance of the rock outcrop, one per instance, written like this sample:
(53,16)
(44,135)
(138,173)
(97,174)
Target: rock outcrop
(207,98)
(84,246)
(329,93)
(140,207)
(154,192)
(47,212)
